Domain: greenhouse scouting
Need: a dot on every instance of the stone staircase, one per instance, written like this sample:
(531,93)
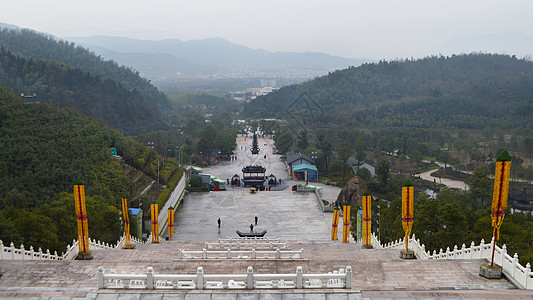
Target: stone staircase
(373,269)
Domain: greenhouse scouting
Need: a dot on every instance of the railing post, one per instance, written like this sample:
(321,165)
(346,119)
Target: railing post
(302,253)
(278,254)
(1,250)
(204,254)
(228,255)
(472,245)
(299,277)
(503,253)
(482,248)
(31,252)
(200,278)
(101,277)
(180,254)
(253,254)
(22,249)
(249,278)
(150,278)
(515,262)
(348,277)
(527,272)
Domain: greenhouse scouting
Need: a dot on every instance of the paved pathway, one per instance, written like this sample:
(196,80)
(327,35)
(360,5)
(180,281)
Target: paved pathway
(282,212)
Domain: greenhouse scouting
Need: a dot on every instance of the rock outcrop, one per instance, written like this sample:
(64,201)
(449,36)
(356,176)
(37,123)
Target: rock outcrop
(352,192)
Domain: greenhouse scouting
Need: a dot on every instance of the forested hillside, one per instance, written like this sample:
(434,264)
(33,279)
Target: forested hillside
(44,150)
(61,86)
(463,91)
(30,44)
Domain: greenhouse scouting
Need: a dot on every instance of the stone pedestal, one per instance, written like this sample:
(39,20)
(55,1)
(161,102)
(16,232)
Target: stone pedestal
(368,247)
(84,256)
(490,272)
(407,254)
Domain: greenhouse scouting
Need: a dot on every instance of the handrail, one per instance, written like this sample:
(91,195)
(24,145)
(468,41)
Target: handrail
(246,244)
(510,264)
(248,254)
(12,253)
(336,279)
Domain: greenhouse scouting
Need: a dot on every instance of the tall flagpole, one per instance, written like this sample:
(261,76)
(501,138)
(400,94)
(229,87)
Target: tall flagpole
(83,226)
(408,191)
(499,196)
(367,220)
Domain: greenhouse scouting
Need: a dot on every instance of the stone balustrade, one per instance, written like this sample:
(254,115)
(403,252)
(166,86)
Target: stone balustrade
(511,268)
(337,279)
(250,238)
(246,244)
(241,254)
(174,200)
(13,253)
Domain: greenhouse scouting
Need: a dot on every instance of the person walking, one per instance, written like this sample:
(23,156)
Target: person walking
(251,228)
(256,220)
(218,222)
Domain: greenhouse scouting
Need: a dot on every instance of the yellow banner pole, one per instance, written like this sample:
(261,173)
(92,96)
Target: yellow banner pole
(408,191)
(126,219)
(500,195)
(335,224)
(81,215)
(170,222)
(367,219)
(155,222)
(346,223)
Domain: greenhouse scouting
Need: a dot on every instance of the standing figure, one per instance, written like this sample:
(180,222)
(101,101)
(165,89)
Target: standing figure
(251,227)
(256,220)
(218,222)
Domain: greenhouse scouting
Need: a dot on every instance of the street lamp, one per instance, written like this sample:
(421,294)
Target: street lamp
(314,156)
(179,154)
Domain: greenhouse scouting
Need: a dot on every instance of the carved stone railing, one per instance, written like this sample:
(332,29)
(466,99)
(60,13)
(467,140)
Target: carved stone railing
(511,268)
(174,200)
(246,244)
(13,253)
(250,238)
(240,254)
(338,279)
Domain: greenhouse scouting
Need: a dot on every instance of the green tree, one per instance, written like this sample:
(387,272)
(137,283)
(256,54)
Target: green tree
(360,151)
(345,151)
(445,157)
(302,142)
(324,144)
(439,224)
(480,186)
(364,173)
(382,172)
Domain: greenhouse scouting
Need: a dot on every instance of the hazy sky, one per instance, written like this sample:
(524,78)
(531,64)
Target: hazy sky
(351,28)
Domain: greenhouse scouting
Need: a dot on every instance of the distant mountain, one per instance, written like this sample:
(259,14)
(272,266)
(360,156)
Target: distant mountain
(8,26)
(209,55)
(476,91)
(515,43)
